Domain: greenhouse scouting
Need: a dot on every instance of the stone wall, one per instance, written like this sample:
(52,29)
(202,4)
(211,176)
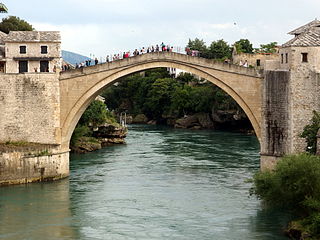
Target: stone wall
(252,58)
(25,166)
(30,108)
(304,99)
(275,129)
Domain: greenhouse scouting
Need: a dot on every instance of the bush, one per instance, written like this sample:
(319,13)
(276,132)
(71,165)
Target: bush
(295,185)
(310,133)
(79,132)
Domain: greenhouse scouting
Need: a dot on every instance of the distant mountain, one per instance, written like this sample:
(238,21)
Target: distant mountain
(72,57)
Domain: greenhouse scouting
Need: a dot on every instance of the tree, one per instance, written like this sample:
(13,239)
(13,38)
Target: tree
(95,114)
(244,46)
(310,133)
(198,45)
(219,50)
(268,48)
(13,23)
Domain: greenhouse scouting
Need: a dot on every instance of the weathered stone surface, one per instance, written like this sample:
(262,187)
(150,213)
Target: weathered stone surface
(205,120)
(140,118)
(196,121)
(30,108)
(276,113)
(24,166)
(110,131)
(187,122)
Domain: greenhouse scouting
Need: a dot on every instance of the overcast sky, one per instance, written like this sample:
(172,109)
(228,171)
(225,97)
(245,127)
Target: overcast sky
(101,27)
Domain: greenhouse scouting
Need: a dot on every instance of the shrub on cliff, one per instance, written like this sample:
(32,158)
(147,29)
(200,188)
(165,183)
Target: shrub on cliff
(310,133)
(295,185)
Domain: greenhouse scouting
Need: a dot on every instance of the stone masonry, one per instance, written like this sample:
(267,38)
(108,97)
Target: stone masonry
(30,108)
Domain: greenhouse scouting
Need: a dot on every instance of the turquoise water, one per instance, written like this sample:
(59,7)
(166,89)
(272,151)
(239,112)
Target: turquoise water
(163,184)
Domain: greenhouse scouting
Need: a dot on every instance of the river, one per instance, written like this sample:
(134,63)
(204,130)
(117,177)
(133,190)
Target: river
(163,184)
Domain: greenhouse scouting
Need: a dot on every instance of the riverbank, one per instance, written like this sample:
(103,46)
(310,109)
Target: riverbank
(230,120)
(102,136)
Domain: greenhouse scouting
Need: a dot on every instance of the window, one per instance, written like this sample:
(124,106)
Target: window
(23,66)
(44,66)
(304,57)
(23,49)
(258,63)
(286,57)
(282,58)
(44,49)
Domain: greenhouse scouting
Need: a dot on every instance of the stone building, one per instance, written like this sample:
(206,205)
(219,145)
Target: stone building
(256,60)
(292,92)
(30,51)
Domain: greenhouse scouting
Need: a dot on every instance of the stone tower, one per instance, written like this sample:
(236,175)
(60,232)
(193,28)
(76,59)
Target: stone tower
(291,93)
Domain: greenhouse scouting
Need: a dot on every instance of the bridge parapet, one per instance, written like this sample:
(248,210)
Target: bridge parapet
(165,57)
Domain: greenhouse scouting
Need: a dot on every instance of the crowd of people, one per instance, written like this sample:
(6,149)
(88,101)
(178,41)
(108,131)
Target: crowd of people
(114,57)
(157,48)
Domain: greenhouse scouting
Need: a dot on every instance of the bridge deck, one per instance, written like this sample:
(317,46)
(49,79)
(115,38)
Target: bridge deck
(164,57)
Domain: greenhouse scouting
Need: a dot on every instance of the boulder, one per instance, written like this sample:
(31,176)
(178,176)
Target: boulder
(205,120)
(152,122)
(187,122)
(197,121)
(140,118)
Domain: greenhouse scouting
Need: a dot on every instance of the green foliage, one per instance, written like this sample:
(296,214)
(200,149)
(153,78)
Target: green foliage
(13,23)
(244,46)
(219,50)
(295,185)
(155,95)
(198,45)
(79,131)
(95,114)
(310,133)
(268,48)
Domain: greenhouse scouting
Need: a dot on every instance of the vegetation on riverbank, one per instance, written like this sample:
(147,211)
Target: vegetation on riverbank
(96,128)
(164,99)
(294,184)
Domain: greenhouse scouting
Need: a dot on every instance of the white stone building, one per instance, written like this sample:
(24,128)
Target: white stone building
(30,51)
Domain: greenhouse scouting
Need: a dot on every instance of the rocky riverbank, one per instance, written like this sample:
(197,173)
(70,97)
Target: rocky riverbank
(231,120)
(102,136)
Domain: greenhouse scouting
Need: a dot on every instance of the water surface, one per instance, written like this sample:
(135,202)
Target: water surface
(163,184)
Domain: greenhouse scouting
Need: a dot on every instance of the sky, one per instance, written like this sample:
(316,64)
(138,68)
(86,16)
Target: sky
(101,27)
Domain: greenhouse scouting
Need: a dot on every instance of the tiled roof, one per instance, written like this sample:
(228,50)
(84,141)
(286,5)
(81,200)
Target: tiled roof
(314,23)
(2,36)
(305,39)
(33,36)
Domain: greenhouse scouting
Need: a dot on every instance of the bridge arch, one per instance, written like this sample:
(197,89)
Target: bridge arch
(85,84)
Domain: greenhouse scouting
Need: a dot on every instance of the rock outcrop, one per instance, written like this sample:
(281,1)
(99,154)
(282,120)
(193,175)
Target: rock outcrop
(197,121)
(140,118)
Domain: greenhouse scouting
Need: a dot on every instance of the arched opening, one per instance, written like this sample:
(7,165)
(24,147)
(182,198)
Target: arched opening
(250,103)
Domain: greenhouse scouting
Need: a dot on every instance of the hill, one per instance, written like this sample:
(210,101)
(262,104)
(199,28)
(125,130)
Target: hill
(72,57)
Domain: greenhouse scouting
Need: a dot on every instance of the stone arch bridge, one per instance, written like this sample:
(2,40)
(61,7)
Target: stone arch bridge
(80,86)
(44,108)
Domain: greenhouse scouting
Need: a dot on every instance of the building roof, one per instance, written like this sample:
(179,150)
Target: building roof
(3,8)
(314,23)
(2,36)
(33,36)
(310,38)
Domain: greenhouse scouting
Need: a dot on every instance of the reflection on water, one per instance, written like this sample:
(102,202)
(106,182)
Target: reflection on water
(36,211)
(164,184)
